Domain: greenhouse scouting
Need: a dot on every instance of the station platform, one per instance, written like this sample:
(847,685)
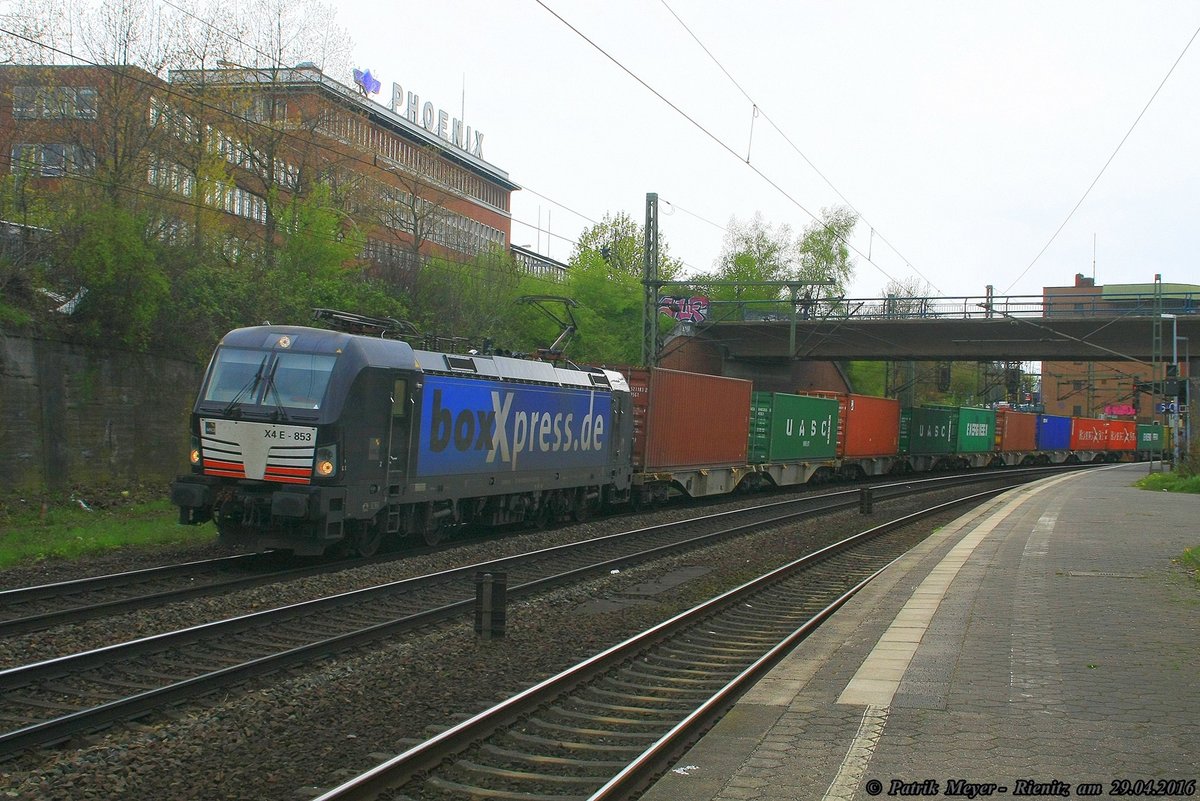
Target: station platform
(1043,644)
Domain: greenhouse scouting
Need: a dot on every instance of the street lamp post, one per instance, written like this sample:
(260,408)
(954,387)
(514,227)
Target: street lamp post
(1175,401)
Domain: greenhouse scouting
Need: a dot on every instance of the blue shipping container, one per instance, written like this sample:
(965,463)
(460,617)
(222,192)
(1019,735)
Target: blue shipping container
(1053,433)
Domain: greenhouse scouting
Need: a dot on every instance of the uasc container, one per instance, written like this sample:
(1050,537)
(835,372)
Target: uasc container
(928,430)
(1053,432)
(787,427)
(974,429)
(868,426)
(1015,431)
(684,420)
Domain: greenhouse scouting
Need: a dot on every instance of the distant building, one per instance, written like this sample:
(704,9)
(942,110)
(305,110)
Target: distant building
(1110,388)
(412,182)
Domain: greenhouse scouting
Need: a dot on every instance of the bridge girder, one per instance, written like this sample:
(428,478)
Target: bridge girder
(995,339)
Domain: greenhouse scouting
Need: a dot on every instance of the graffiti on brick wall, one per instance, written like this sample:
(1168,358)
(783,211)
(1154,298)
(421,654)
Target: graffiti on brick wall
(685,309)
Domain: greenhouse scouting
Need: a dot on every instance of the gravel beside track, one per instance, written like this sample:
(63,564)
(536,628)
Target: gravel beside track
(320,725)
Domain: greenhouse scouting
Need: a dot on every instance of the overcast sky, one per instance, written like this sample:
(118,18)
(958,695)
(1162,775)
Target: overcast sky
(962,132)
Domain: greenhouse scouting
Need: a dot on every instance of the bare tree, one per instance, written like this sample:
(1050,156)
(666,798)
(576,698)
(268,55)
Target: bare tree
(908,297)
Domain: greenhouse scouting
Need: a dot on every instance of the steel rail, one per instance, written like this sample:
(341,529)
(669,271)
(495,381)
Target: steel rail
(64,726)
(427,755)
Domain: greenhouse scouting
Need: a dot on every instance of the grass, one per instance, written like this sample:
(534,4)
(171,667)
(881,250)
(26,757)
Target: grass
(1169,482)
(1190,559)
(30,532)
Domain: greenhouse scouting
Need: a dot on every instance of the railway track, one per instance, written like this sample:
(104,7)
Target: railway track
(606,727)
(43,606)
(55,699)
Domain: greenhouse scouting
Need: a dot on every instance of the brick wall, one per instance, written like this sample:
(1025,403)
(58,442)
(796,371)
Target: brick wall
(79,416)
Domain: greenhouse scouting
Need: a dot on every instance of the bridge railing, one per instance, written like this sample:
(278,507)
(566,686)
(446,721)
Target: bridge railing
(968,307)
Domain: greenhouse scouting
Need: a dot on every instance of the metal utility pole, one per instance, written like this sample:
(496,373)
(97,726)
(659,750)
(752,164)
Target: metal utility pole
(650,283)
(1158,376)
(1173,401)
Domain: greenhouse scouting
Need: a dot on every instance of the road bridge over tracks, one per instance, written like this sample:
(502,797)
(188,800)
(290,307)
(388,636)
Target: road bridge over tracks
(1014,328)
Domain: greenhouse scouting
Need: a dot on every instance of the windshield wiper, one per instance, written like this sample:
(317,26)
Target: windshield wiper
(250,387)
(279,410)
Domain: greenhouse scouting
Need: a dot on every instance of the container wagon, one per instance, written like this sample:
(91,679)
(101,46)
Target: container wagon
(1089,439)
(1053,439)
(690,432)
(793,438)
(868,437)
(1016,437)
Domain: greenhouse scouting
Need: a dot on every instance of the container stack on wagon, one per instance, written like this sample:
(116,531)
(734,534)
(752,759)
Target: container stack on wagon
(793,438)
(1054,437)
(1016,436)
(1122,435)
(690,430)
(1150,439)
(868,435)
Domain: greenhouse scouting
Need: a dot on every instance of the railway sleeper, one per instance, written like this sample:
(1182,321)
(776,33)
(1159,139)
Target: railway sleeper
(611,765)
(548,745)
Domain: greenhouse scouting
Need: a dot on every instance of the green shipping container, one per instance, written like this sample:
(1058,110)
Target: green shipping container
(928,430)
(787,428)
(976,430)
(1149,437)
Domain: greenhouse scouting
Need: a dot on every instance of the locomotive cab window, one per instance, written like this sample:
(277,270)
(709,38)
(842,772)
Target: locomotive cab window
(234,373)
(300,379)
(254,378)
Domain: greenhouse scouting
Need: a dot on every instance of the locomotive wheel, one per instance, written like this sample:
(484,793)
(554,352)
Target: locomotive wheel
(366,538)
(433,532)
(582,511)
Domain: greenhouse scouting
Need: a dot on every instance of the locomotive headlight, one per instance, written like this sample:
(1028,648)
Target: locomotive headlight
(194,453)
(326,464)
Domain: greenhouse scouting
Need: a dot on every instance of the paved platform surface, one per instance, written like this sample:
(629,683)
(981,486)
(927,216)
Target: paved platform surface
(1043,645)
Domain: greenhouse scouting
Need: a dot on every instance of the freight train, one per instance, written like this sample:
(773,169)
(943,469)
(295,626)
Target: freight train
(313,440)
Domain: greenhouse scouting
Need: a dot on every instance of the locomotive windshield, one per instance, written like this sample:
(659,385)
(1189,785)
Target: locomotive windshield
(245,377)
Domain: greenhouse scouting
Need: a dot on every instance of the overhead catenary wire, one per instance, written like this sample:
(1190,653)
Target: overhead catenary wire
(758,111)
(1100,174)
(710,135)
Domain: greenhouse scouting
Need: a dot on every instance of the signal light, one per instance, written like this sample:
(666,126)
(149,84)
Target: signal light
(194,454)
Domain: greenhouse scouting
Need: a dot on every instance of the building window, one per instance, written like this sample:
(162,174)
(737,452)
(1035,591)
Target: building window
(1077,411)
(54,102)
(53,160)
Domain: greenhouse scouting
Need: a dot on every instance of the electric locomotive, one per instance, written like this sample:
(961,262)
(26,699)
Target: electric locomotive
(311,440)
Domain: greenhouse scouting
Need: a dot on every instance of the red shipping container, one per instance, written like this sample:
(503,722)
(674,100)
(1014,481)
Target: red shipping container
(683,420)
(1122,435)
(1089,434)
(1015,431)
(867,426)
